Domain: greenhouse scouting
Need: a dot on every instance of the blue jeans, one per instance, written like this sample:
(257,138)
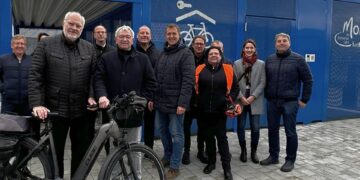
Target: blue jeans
(171,129)
(288,110)
(254,126)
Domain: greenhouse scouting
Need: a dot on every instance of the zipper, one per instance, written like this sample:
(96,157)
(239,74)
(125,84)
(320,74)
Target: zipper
(277,80)
(212,87)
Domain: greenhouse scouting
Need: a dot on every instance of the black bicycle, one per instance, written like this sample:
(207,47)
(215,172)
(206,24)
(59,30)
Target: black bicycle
(31,160)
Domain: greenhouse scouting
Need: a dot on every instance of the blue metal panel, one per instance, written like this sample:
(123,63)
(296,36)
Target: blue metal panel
(311,38)
(217,25)
(344,74)
(6,26)
(272,8)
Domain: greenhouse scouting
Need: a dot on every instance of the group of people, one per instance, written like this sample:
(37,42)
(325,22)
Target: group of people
(67,74)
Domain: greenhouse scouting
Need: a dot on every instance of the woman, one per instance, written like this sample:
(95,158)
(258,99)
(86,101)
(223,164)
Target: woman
(251,77)
(214,82)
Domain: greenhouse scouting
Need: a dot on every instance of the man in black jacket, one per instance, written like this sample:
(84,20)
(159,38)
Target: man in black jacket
(60,81)
(122,71)
(101,46)
(175,76)
(146,46)
(286,73)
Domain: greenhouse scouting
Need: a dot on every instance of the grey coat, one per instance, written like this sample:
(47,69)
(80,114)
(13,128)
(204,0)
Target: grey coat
(257,80)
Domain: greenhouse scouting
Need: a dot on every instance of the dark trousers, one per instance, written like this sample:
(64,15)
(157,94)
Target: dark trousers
(215,125)
(288,111)
(254,126)
(80,141)
(189,116)
(149,128)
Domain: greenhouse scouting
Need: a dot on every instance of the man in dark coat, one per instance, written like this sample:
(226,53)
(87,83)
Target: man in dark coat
(60,81)
(287,76)
(175,76)
(146,46)
(14,70)
(101,46)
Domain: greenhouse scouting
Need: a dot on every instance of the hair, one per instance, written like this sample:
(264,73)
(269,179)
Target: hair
(17,37)
(198,37)
(218,42)
(251,41)
(283,35)
(70,13)
(99,26)
(124,28)
(172,25)
(214,47)
(144,26)
(41,35)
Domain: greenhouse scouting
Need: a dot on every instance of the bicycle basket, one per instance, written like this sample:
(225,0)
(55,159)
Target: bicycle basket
(129,110)
(7,148)
(13,123)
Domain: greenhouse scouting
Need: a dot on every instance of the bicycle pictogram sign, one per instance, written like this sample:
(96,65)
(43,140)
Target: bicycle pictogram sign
(190,34)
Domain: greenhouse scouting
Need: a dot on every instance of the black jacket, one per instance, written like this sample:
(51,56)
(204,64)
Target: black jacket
(14,79)
(60,75)
(102,50)
(212,89)
(174,72)
(152,52)
(120,72)
(284,75)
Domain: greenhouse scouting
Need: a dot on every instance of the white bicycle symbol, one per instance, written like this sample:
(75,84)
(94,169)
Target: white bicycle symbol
(189,35)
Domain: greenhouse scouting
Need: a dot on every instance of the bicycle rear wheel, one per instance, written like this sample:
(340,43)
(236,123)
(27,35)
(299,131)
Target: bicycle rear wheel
(38,167)
(146,164)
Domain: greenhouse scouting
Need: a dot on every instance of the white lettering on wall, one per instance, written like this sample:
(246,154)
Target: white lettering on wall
(349,35)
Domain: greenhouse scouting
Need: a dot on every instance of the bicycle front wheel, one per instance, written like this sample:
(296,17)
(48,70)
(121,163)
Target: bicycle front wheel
(38,167)
(137,162)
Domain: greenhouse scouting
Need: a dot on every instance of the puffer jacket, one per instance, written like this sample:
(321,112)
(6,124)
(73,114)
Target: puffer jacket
(60,76)
(284,75)
(14,78)
(174,73)
(152,52)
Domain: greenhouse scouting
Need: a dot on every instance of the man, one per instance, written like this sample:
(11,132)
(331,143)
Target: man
(146,46)
(286,73)
(175,76)
(14,70)
(219,44)
(60,81)
(122,71)
(198,50)
(101,46)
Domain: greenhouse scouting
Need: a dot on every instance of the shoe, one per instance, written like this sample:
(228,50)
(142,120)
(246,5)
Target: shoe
(202,156)
(186,158)
(172,173)
(166,163)
(269,160)
(287,167)
(228,175)
(209,168)
(254,157)
(243,154)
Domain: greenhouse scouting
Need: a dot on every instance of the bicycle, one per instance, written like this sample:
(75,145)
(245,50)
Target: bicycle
(120,164)
(190,34)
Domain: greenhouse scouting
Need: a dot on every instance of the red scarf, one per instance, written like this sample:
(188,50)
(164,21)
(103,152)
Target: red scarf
(250,60)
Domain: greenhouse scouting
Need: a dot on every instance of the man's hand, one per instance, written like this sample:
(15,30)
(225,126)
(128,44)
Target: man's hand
(91,104)
(302,104)
(180,110)
(151,106)
(40,112)
(104,102)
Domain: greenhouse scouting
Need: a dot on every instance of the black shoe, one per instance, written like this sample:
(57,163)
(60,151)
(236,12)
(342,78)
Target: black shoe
(202,156)
(228,175)
(269,160)
(287,167)
(186,158)
(209,168)
(254,158)
(243,155)
(166,163)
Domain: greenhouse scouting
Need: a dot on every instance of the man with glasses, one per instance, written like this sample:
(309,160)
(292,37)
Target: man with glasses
(60,80)
(198,49)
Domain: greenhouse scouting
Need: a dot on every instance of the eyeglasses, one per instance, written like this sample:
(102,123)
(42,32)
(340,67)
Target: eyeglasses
(100,32)
(124,37)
